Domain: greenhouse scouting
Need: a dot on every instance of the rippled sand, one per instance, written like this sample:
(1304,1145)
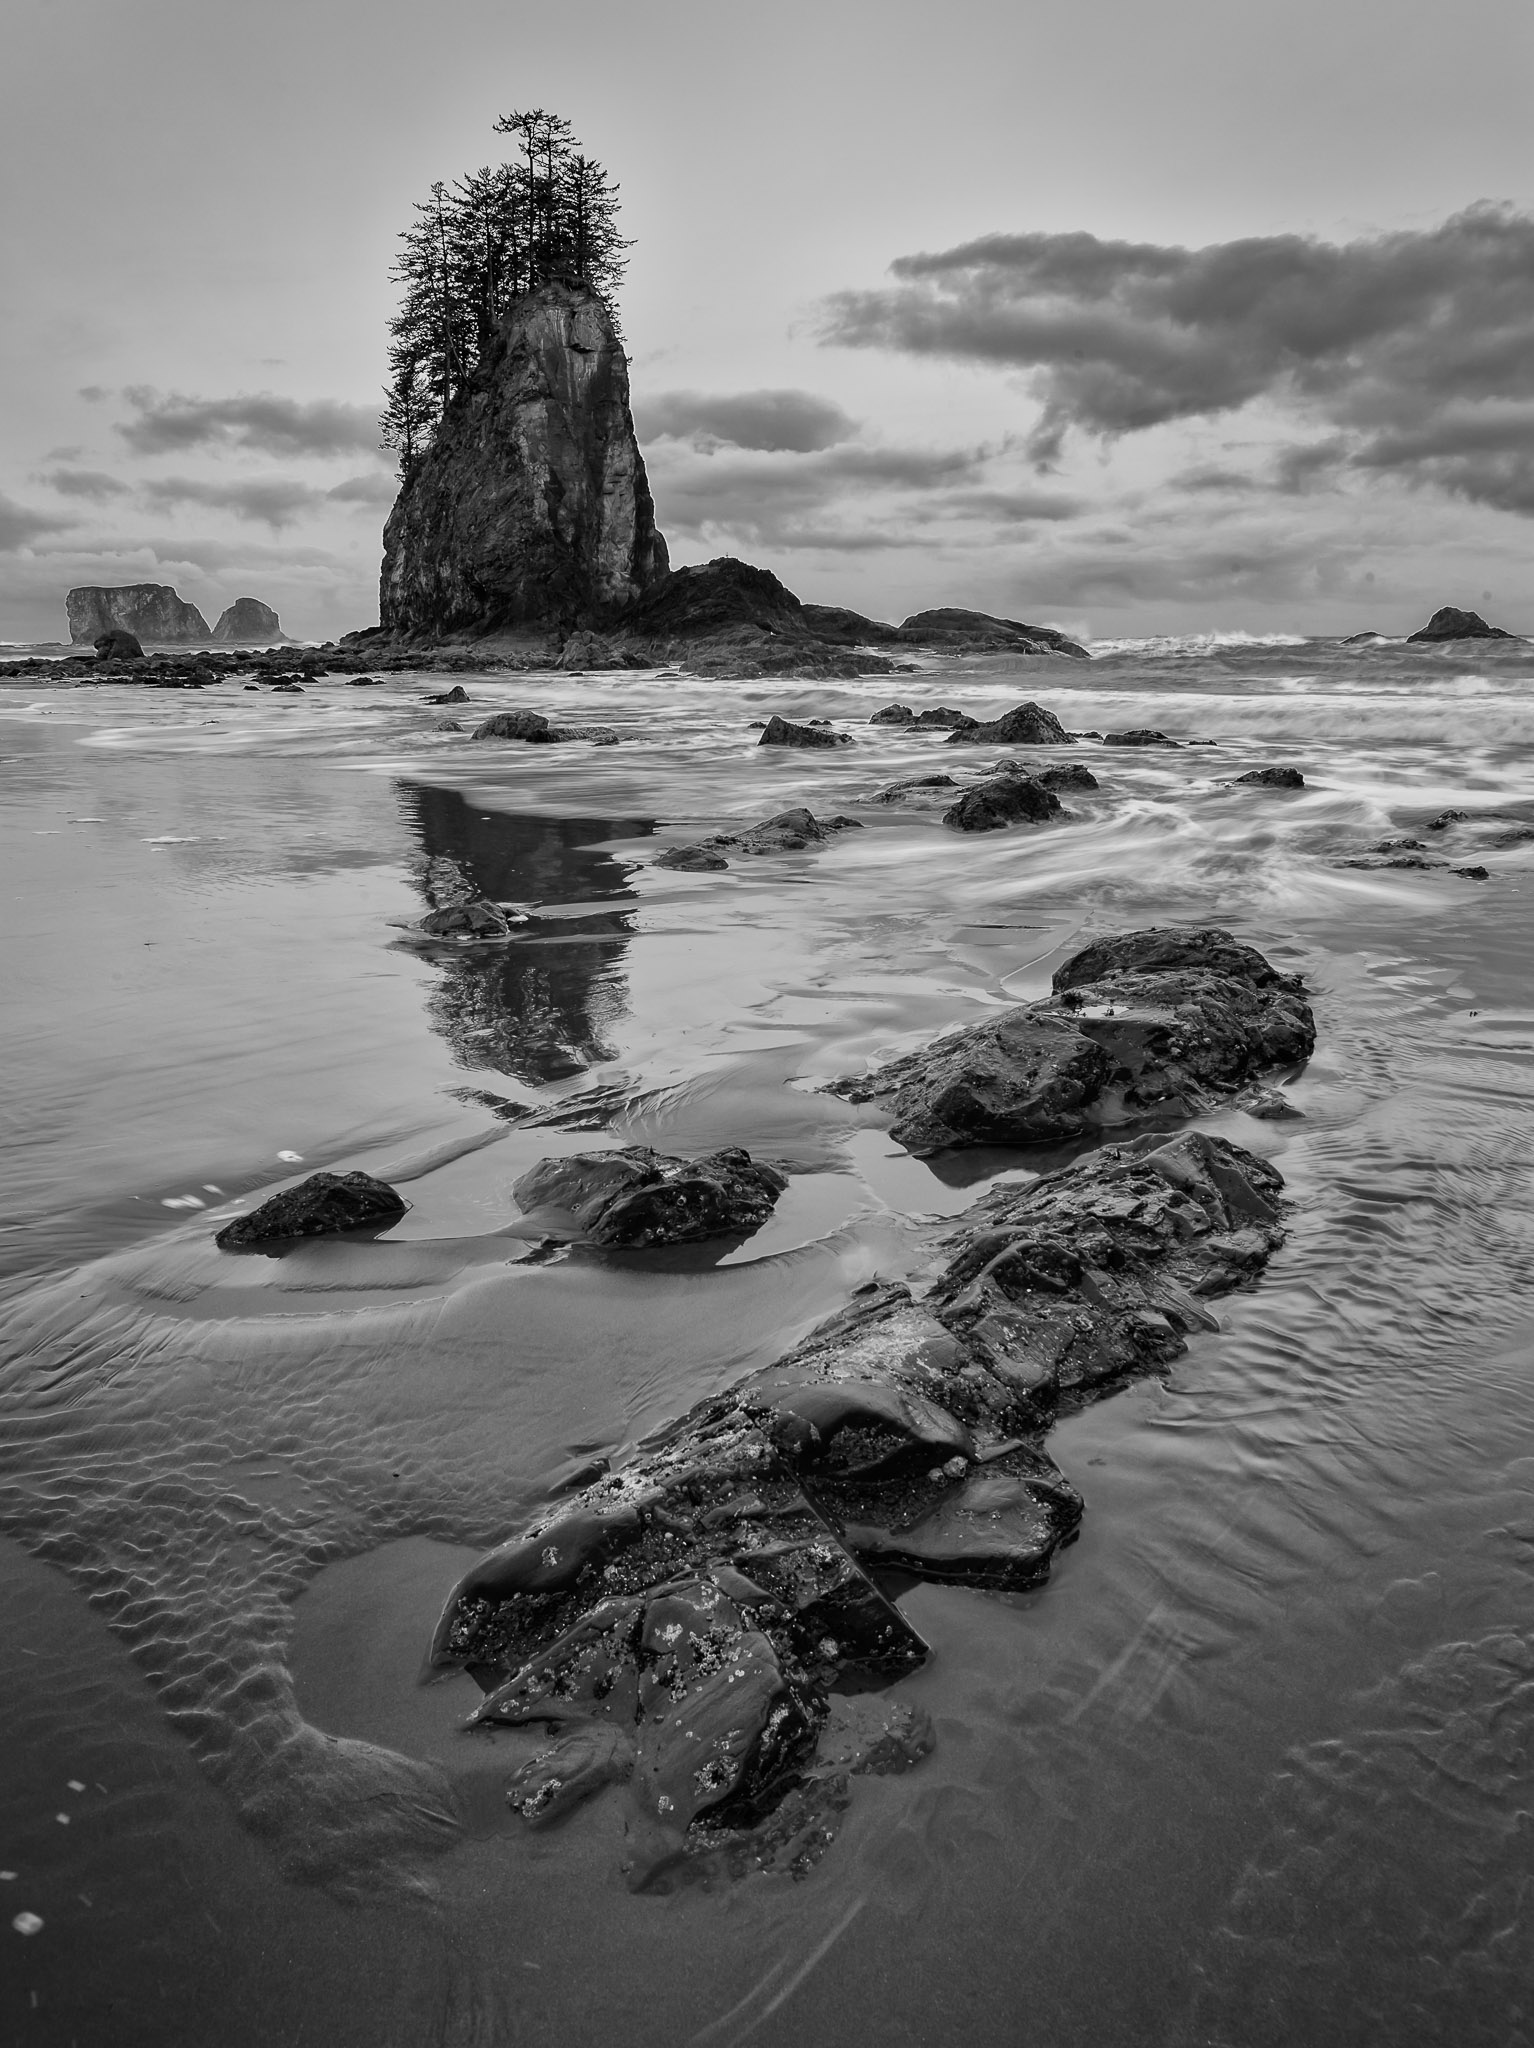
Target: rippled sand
(1253,1768)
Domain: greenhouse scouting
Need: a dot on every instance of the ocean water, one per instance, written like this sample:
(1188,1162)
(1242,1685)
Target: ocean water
(1256,1766)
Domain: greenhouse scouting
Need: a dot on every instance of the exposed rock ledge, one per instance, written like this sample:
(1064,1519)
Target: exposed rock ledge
(693,1625)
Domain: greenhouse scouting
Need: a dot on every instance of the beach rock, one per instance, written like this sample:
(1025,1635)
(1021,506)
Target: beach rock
(472,918)
(1447,818)
(456,695)
(1449,623)
(1139,736)
(1000,801)
(321,1206)
(894,714)
(690,1626)
(1070,775)
(118,645)
(1273,778)
(914,787)
(1025,725)
(150,611)
(538,731)
(531,508)
(248,619)
(1152,1023)
(788,832)
(937,715)
(960,632)
(782,732)
(637,1197)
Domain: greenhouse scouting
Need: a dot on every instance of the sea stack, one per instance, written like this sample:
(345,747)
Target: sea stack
(531,510)
(248,619)
(152,611)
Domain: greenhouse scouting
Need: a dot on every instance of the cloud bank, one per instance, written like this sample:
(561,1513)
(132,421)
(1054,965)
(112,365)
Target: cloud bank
(168,423)
(1413,350)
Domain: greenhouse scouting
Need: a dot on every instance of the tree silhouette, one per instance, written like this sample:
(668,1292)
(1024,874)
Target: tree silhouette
(548,214)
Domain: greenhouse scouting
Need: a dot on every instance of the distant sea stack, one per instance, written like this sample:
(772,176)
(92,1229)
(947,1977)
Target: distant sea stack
(1449,623)
(152,611)
(247,620)
(531,509)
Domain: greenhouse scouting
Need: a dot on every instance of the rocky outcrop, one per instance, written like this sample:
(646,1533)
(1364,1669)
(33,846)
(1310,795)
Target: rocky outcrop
(118,645)
(1003,800)
(960,632)
(1154,1023)
(789,832)
(540,731)
(1273,778)
(636,1198)
(698,1627)
(935,715)
(783,732)
(1025,725)
(321,1206)
(1139,736)
(248,621)
(531,509)
(151,611)
(1449,623)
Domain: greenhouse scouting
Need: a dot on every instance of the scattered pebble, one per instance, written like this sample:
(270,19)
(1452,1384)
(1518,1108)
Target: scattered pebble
(182,1202)
(62,1819)
(27,1923)
(75,1785)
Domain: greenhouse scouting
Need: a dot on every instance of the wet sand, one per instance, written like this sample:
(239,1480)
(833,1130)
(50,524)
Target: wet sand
(1248,1769)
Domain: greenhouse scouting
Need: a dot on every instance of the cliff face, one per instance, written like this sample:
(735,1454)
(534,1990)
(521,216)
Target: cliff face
(532,507)
(151,610)
(248,619)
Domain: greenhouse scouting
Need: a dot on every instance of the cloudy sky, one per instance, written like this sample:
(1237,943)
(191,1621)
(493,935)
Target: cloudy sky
(1130,319)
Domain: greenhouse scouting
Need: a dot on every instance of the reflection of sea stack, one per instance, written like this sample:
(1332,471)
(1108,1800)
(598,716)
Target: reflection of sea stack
(247,620)
(151,610)
(531,509)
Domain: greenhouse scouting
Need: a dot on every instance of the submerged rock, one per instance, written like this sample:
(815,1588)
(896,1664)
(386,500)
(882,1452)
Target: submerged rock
(539,731)
(1273,778)
(321,1206)
(1449,623)
(1025,725)
(684,1626)
(456,695)
(937,715)
(1139,736)
(789,832)
(782,732)
(912,788)
(474,919)
(1152,1023)
(1000,801)
(637,1197)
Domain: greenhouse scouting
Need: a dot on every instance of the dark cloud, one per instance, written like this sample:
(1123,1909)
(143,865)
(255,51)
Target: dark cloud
(168,423)
(20,526)
(84,483)
(1416,348)
(275,500)
(790,421)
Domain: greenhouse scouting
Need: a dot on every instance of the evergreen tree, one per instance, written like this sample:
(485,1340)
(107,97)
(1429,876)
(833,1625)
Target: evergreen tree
(548,214)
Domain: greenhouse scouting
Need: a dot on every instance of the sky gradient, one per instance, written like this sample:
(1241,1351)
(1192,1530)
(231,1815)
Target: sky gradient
(1127,320)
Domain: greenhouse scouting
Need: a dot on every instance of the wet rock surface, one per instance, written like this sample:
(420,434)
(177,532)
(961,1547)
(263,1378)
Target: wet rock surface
(783,732)
(1139,736)
(1025,725)
(789,832)
(937,715)
(1272,778)
(1153,1023)
(691,1626)
(636,1197)
(539,731)
(321,1206)
(1003,800)
(118,645)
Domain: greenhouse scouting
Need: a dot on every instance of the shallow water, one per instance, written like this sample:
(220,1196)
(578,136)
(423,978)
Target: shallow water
(1254,1767)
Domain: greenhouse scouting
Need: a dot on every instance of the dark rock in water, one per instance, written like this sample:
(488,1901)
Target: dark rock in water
(1447,818)
(1000,801)
(637,1197)
(717,597)
(937,715)
(531,508)
(957,631)
(1448,623)
(689,1626)
(914,786)
(1400,846)
(287,689)
(1361,639)
(782,732)
(248,619)
(538,731)
(118,645)
(1152,1023)
(473,919)
(321,1206)
(1070,775)
(1025,725)
(459,695)
(789,832)
(152,611)
(1139,736)
(1473,874)
(1273,778)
